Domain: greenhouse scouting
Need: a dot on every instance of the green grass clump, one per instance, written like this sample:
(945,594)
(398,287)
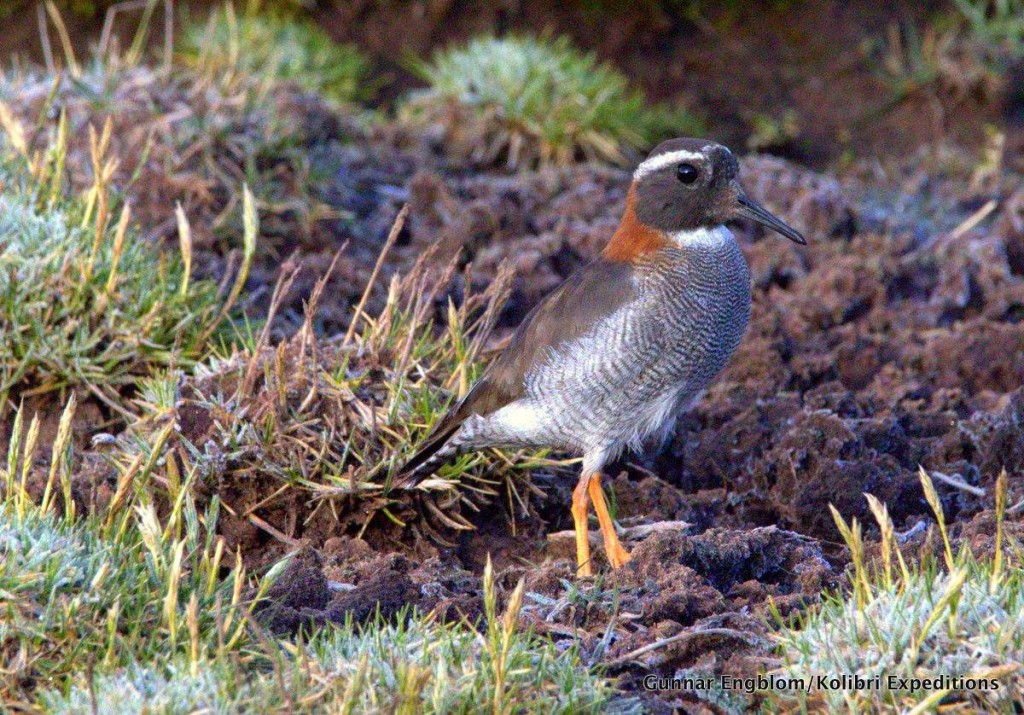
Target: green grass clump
(414,666)
(958,58)
(85,302)
(107,590)
(123,611)
(537,100)
(998,24)
(216,134)
(275,47)
(925,621)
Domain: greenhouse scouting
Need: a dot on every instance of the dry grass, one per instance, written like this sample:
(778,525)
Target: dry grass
(123,612)
(995,24)
(302,439)
(182,136)
(959,58)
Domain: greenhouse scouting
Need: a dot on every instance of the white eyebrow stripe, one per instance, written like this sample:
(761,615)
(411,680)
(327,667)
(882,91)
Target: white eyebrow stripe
(663,160)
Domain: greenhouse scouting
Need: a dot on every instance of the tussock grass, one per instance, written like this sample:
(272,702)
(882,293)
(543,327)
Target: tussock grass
(123,613)
(528,100)
(182,136)
(85,302)
(309,432)
(961,618)
(116,588)
(414,666)
(275,47)
(997,24)
(958,58)
(125,610)
(127,607)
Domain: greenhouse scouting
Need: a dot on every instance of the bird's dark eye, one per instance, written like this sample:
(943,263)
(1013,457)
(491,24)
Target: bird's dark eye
(687,173)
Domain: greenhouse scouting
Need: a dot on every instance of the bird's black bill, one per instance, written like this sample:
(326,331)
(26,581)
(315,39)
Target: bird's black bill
(756,212)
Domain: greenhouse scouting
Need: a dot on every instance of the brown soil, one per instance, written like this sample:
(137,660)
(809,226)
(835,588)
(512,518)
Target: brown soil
(710,593)
(892,341)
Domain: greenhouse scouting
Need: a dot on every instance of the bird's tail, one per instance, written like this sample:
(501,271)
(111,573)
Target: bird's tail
(426,459)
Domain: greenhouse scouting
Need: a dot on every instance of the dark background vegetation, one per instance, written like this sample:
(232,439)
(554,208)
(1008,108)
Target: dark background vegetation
(817,81)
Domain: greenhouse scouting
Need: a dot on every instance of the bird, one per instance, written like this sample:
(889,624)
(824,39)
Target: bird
(624,344)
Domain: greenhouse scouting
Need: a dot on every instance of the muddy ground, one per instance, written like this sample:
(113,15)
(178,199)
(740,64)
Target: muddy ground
(894,340)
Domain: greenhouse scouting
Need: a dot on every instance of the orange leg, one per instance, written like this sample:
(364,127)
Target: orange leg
(613,549)
(580,509)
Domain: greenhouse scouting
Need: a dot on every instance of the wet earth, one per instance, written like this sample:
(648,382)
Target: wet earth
(894,341)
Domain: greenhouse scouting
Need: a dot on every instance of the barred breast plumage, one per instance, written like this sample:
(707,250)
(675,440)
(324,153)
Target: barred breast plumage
(614,353)
(628,375)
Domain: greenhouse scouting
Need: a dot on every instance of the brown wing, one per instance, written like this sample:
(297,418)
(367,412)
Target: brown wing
(596,290)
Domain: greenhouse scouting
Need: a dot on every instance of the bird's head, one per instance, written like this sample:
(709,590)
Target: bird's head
(691,184)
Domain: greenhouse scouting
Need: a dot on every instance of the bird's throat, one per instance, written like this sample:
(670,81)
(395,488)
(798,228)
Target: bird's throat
(633,239)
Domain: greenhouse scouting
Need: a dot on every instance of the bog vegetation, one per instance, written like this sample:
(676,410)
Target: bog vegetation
(132,600)
(527,100)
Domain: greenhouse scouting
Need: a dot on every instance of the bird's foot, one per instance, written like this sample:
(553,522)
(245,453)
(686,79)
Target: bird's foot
(613,549)
(616,553)
(580,509)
